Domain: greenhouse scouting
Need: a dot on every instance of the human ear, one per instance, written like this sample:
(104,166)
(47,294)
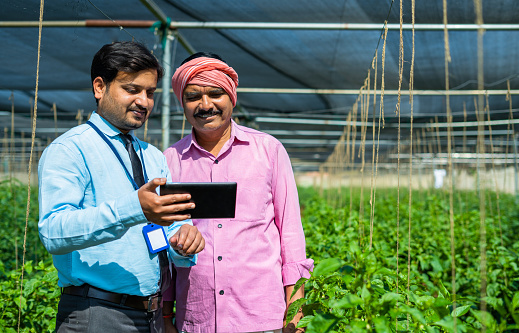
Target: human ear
(99,87)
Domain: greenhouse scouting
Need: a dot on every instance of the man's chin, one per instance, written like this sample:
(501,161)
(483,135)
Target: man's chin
(134,125)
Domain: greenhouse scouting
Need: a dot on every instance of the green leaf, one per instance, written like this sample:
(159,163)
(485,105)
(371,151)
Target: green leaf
(298,285)
(390,298)
(28,267)
(436,264)
(328,266)
(485,318)
(415,313)
(348,301)
(305,321)
(294,308)
(381,324)
(444,291)
(460,311)
(440,302)
(21,302)
(322,323)
(448,324)
(309,309)
(425,301)
(515,301)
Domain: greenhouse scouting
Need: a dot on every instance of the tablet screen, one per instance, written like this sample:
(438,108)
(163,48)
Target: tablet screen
(212,200)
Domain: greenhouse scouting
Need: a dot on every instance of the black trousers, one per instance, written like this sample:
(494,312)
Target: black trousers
(90,315)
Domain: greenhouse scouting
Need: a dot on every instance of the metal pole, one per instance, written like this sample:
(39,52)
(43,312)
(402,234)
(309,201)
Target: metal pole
(386,92)
(166,85)
(516,189)
(252,25)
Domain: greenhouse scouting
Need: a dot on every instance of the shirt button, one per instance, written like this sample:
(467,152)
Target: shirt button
(221,292)
(216,161)
(220,258)
(220,225)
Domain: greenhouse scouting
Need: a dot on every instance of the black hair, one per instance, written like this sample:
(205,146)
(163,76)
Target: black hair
(130,57)
(202,54)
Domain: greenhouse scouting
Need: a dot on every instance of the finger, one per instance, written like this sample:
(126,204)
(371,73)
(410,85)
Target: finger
(201,246)
(173,240)
(167,220)
(175,198)
(153,184)
(192,242)
(182,235)
(175,209)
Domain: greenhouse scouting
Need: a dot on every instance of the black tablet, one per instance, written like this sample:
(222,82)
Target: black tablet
(212,200)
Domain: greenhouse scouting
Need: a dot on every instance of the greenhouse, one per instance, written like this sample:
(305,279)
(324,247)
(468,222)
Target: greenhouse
(398,118)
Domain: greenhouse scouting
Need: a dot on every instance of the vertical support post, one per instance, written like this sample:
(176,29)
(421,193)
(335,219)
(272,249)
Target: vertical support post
(166,86)
(516,178)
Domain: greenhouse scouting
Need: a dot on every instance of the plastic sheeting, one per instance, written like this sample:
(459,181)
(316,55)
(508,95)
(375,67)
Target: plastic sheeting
(267,58)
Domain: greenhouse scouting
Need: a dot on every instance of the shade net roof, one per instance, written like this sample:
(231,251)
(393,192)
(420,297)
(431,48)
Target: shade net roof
(309,124)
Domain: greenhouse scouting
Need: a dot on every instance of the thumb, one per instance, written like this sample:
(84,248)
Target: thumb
(153,184)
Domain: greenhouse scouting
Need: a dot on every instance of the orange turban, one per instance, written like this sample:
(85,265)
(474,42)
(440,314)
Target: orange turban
(205,72)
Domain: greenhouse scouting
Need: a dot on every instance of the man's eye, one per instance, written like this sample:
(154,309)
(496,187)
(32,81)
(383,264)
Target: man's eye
(192,97)
(216,94)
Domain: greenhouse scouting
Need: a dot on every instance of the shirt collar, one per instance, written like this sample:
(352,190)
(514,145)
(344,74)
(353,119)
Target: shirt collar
(105,127)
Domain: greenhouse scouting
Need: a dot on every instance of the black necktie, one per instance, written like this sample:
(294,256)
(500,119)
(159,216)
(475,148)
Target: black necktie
(134,158)
(165,275)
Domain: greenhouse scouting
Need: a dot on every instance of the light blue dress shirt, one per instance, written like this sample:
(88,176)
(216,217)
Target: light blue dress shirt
(91,219)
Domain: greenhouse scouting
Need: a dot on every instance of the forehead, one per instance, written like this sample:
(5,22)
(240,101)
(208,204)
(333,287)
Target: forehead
(147,77)
(202,89)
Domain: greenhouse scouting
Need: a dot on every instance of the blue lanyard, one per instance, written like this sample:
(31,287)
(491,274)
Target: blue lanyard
(130,177)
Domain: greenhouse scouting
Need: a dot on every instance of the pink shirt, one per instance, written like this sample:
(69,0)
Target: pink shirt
(237,284)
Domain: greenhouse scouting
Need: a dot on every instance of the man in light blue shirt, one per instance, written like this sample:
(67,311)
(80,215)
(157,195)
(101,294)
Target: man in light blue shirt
(96,197)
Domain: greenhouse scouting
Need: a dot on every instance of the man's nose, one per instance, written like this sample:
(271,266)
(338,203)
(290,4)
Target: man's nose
(143,100)
(207,102)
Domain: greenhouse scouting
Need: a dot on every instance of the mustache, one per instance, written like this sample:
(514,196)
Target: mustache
(202,113)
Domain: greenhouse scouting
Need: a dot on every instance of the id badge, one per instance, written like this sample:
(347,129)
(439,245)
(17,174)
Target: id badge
(155,237)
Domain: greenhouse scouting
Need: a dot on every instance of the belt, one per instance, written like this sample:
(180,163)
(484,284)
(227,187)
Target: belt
(148,303)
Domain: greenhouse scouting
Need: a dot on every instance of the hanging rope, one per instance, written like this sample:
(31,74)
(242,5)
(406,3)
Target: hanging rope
(411,101)
(55,112)
(481,145)
(11,148)
(352,160)
(371,199)
(400,74)
(364,98)
(449,152)
(145,136)
(30,162)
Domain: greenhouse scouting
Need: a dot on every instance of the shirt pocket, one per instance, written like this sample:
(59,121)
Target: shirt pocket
(251,199)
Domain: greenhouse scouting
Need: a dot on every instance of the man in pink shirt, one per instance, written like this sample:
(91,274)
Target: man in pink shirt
(246,274)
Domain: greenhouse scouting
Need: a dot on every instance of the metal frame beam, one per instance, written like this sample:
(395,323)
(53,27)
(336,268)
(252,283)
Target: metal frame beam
(252,25)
